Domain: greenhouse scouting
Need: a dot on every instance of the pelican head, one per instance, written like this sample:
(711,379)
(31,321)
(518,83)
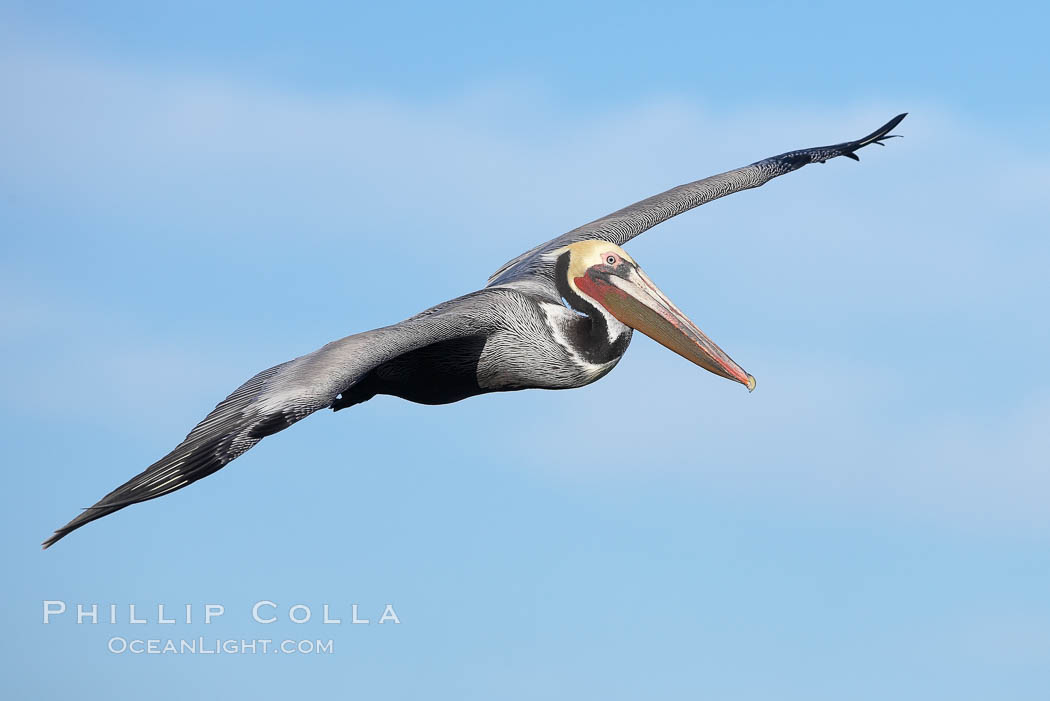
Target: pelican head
(601,275)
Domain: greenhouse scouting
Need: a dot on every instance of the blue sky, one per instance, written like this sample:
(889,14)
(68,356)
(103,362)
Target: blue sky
(194,193)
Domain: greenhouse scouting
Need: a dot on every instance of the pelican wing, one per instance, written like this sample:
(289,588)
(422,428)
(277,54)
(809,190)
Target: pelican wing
(623,225)
(278,397)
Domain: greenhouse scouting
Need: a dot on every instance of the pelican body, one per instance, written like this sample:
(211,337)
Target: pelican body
(558,316)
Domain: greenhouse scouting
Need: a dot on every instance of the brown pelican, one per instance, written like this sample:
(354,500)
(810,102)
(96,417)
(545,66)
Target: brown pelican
(556,317)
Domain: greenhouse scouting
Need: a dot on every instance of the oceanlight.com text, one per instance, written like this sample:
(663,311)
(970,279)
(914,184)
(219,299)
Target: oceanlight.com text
(118,645)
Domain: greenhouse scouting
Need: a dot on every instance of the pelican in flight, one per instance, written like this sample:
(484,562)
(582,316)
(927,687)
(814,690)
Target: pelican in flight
(556,317)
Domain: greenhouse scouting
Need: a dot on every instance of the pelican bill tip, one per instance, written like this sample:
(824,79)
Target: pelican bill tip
(750,382)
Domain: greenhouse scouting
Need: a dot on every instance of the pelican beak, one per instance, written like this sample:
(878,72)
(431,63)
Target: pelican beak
(631,297)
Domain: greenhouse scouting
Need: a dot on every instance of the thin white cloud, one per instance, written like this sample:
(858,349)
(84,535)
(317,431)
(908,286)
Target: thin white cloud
(816,433)
(87,363)
(502,171)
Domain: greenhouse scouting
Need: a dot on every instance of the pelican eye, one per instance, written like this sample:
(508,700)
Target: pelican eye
(611,259)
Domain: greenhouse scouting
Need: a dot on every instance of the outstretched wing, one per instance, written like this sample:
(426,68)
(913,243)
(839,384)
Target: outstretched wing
(278,397)
(623,225)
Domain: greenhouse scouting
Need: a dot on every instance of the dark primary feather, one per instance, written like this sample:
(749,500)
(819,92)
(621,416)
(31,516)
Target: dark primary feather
(229,430)
(623,225)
